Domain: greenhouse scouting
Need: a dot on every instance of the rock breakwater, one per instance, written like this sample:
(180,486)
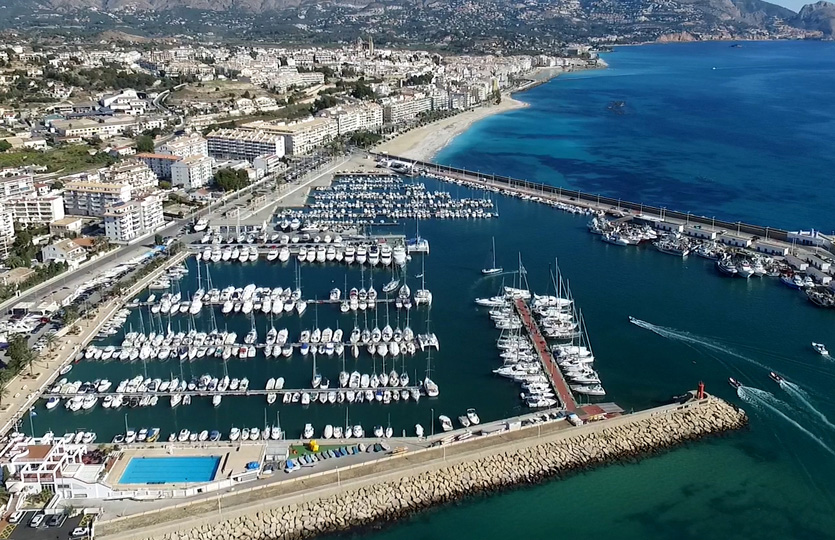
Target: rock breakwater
(529,459)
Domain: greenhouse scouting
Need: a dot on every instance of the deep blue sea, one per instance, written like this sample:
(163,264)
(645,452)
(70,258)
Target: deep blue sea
(742,133)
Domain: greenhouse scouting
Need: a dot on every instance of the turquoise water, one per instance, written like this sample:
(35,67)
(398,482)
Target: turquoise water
(170,470)
(738,133)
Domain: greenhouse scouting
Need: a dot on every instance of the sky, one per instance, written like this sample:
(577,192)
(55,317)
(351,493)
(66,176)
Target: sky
(793,5)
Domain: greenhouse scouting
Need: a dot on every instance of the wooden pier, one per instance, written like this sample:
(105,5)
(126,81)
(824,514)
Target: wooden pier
(544,353)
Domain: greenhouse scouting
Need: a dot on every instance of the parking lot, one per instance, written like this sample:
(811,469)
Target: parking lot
(23,531)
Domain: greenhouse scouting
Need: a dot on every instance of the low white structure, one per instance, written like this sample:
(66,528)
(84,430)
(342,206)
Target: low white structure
(65,251)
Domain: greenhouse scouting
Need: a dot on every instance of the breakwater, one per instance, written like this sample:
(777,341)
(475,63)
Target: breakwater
(396,486)
(578,198)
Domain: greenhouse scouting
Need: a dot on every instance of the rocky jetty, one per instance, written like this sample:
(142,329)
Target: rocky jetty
(524,461)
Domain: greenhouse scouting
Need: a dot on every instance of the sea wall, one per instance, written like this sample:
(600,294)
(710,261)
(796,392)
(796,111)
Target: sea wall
(380,497)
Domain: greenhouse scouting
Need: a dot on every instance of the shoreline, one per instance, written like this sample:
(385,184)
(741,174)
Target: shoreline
(425,142)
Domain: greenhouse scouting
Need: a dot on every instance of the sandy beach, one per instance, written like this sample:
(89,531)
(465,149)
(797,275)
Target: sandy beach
(424,142)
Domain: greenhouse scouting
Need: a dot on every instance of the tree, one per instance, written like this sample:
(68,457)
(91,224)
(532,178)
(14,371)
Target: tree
(70,315)
(4,145)
(144,143)
(20,354)
(164,184)
(231,180)
(57,185)
(158,239)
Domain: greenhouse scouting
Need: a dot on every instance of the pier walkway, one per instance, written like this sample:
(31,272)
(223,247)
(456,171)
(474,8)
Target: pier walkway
(544,353)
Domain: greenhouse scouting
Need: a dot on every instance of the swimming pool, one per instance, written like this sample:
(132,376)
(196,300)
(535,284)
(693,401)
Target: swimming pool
(170,470)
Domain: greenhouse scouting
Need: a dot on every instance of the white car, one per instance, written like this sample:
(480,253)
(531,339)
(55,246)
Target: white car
(16,516)
(79,532)
(36,520)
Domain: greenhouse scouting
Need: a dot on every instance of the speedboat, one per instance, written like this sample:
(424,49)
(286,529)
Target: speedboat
(820,348)
(473,417)
(733,382)
(446,423)
(774,377)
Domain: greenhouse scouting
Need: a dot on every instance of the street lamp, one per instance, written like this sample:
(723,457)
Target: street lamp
(432,422)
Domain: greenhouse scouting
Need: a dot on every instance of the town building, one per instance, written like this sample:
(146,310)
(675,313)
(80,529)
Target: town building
(64,251)
(127,221)
(187,145)
(104,128)
(361,117)
(7,234)
(244,144)
(405,108)
(15,186)
(299,137)
(159,163)
(133,172)
(67,226)
(36,210)
(267,164)
(193,171)
(92,198)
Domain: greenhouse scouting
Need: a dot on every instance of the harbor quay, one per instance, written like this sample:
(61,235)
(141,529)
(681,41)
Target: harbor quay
(401,483)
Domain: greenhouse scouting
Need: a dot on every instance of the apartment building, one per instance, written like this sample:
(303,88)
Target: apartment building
(36,209)
(14,186)
(127,221)
(65,251)
(192,172)
(133,172)
(92,198)
(244,143)
(405,108)
(7,235)
(159,163)
(350,118)
(187,145)
(299,137)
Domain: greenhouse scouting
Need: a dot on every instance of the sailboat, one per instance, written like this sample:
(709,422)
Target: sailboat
(493,269)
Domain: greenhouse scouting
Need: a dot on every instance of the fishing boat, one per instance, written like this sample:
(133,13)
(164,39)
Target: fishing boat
(492,269)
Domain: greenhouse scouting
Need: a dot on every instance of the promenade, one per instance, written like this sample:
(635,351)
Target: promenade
(25,389)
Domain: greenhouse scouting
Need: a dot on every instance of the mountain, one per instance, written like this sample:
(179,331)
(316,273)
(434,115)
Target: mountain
(819,16)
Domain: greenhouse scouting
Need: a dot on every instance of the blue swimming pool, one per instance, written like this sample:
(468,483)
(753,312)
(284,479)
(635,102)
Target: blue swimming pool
(170,470)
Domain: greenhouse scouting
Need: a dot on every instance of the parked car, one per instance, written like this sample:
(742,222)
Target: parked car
(16,516)
(56,520)
(36,520)
(79,532)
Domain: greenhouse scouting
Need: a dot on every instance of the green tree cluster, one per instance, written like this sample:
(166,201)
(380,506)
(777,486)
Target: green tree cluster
(144,143)
(231,180)
(364,139)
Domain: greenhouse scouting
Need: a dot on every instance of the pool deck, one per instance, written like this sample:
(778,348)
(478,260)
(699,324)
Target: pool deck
(233,460)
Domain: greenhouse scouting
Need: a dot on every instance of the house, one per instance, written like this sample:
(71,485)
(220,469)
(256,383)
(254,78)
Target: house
(67,226)
(65,251)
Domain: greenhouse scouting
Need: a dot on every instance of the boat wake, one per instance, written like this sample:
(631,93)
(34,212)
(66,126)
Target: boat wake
(803,398)
(765,400)
(691,339)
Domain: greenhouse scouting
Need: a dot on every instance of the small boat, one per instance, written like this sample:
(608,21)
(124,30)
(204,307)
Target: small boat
(820,348)
(446,423)
(774,377)
(308,431)
(734,383)
(419,430)
(473,417)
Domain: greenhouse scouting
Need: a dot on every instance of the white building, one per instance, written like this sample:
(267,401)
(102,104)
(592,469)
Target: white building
(127,221)
(159,163)
(7,234)
(92,198)
(299,137)
(350,118)
(34,209)
(192,172)
(125,102)
(103,128)
(66,226)
(267,164)
(187,145)
(244,144)
(65,251)
(15,186)
(133,172)
(405,108)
